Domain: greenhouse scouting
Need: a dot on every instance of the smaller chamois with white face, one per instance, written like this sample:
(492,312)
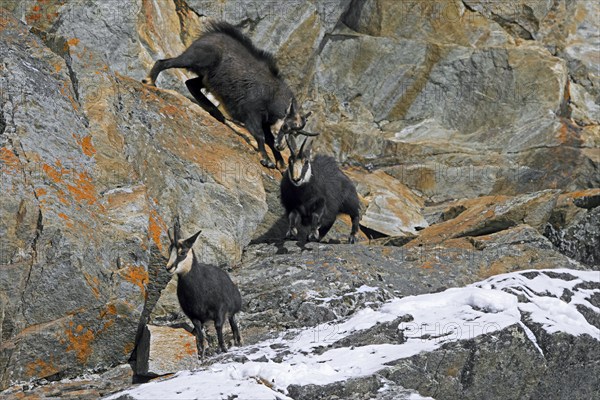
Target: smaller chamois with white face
(205,292)
(314,191)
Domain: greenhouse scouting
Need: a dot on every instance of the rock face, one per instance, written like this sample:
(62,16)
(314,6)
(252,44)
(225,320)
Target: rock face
(470,127)
(96,166)
(162,350)
(574,226)
(392,209)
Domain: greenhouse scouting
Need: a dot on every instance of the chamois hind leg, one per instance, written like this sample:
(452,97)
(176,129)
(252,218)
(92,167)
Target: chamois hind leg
(195,58)
(161,65)
(237,338)
(194,85)
(351,206)
(219,329)
(200,339)
(354,231)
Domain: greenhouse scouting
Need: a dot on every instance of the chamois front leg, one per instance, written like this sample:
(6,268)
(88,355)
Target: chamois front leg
(270,141)
(194,85)
(316,215)
(200,339)
(256,130)
(294,221)
(219,329)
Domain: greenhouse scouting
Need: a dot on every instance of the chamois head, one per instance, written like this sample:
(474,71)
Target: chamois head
(299,168)
(293,124)
(181,256)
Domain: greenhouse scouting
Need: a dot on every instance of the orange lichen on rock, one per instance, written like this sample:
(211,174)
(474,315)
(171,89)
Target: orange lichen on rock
(86,145)
(171,111)
(567,198)
(66,91)
(137,275)
(53,173)
(73,42)
(107,325)
(40,368)
(93,283)
(84,190)
(427,265)
(79,341)
(8,157)
(128,348)
(110,309)
(156,226)
(33,17)
(189,349)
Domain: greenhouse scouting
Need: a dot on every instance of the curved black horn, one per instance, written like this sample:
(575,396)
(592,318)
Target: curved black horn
(302,132)
(291,144)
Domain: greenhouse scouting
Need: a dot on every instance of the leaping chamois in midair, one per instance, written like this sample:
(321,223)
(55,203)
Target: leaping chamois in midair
(246,81)
(314,191)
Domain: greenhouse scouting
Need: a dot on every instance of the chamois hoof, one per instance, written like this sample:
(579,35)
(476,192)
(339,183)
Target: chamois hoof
(219,117)
(267,163)
(313,237)
(281,165)
(280,147)
(290,236)
(147,81)
(352,239)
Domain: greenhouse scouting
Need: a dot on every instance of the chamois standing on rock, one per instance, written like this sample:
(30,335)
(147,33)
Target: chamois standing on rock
(314,191)
(205,292)
(245,80)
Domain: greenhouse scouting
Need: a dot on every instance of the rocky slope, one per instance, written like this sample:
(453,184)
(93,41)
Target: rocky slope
(471,129)
(495,338)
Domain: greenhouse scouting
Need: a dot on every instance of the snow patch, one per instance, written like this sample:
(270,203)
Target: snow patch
(453,315)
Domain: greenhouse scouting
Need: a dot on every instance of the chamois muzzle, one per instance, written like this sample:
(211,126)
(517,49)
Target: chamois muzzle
(294,131)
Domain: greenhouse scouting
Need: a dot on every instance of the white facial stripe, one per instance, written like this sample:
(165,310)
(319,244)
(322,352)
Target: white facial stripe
(186,265)
(297,168)
(276,127)
(172,258)
(304,178)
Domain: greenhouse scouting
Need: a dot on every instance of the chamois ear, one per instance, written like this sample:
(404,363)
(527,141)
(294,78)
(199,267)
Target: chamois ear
(308,150)
(189,242)
(301,151)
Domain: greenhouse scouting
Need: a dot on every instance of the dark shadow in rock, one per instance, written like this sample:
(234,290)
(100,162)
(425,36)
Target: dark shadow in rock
(158,278)
(372,234)
(275,234)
